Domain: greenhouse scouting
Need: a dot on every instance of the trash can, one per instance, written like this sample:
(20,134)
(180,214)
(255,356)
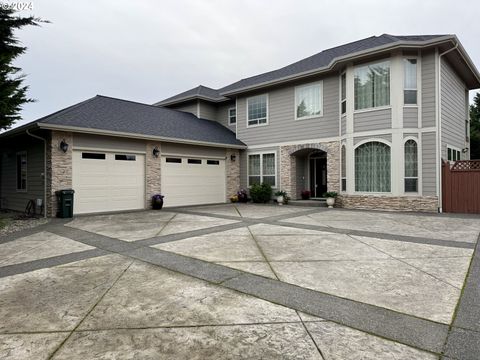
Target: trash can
(65,203)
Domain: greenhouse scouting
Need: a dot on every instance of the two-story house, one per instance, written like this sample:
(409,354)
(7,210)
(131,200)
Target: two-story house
(371,120)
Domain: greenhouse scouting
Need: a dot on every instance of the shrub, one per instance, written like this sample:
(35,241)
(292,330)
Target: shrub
(261,193)
(330,194)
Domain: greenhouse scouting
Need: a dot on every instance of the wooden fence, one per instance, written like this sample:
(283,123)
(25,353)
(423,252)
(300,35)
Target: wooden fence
(461,186)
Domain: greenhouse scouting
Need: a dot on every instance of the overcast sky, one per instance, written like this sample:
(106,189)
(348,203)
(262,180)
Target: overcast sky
(148,50)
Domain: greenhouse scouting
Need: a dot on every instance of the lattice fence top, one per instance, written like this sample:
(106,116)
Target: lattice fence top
(461,165)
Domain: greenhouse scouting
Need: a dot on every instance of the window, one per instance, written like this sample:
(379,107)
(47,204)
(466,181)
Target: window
(411,166)
(95,156)
(232,116)
(173,160)
(344,93)
(372,167)
(453,154)
(372,85)
(262,169)
(467,126)
(213,162)
(124,157)
(410,85)
(344,168)
(22,171)
(308,101)
(194,161)
(257,109)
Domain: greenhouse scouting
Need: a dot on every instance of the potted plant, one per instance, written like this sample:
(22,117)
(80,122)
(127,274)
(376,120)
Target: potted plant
(330,195)
(242,196)
(305,194)
(281,197)
(234,198)
(157,201)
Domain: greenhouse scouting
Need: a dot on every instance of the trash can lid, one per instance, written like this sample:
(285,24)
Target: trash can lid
(65,192)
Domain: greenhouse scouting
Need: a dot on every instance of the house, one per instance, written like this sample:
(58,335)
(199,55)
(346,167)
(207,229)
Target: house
(371,120)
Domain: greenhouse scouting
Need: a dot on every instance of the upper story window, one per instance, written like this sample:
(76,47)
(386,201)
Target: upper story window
(262,169)
(410,82)
(372,167)
(343,100)
(257,110)
(232,116)
(372,85)
(411,166)
(22,171)
(309,101)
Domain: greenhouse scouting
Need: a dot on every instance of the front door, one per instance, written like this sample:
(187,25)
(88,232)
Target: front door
(318,176)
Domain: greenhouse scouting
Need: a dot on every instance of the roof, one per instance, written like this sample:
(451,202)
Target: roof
(320,61)
(199,92)
(106,115)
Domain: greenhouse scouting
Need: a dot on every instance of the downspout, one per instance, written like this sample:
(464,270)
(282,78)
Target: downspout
(44,170)
(439,125)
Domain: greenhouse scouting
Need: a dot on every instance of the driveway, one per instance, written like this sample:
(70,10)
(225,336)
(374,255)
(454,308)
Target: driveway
(242,281)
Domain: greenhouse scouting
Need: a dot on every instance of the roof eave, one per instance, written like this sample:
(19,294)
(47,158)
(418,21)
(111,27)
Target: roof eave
(190,98)
(136,136)
(463,53)
(349,57)
(19,129)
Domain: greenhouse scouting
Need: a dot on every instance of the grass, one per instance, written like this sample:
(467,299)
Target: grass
(3,223)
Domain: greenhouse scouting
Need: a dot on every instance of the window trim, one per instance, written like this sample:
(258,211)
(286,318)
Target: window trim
(343,161)
(343,100)
(24,152)
(261,153)
(389,106)
(455,149)
(230,117)
(295,105)
(418,166)
(406,58)
(267,115)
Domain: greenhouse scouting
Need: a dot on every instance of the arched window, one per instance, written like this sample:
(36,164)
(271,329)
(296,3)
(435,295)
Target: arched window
(344,168)
(372,167)
(411,166)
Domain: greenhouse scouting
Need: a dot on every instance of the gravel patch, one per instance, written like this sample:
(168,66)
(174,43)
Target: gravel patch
(13,225)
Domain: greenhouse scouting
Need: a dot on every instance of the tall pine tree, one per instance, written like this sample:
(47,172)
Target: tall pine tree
(13,94)
(475,128)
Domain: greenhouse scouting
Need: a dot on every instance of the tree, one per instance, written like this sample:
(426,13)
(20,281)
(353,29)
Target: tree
(13,94)
(475,128)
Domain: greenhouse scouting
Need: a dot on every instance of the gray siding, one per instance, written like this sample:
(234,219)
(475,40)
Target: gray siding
(107,142)
(372,120)
(222,115)
(410,117)
(343,123)
(387,137)
(428,164)
(282,125)
(183,149)
(453,109)
(428,89)
(13,199)
(405,135)
(190,107)
(207,110)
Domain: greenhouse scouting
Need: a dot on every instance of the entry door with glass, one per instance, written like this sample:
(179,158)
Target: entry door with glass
(318,175)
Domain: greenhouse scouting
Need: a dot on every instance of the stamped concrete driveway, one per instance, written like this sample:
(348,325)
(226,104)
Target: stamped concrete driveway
(244,281)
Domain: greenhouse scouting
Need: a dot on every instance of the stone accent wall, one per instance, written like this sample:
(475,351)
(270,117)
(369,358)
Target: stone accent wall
(400,203)
(233,173)
(59,168)
(152,173)
(288,165)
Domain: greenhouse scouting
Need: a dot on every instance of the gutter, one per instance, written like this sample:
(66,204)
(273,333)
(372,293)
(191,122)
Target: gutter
(44,170)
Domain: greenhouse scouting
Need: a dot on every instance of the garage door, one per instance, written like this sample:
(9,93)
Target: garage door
(105,181)
(192,181)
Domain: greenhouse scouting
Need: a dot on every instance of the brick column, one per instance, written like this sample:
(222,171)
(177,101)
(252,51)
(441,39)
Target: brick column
(59,168)
(288,167)
(233,172)
(152,173)
(333,166)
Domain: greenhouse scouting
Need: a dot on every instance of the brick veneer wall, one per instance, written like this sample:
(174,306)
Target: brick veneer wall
(402,203)
(152,172)
(233,172)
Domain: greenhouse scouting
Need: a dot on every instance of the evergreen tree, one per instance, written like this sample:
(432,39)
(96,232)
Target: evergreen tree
(475,128)
(13,94)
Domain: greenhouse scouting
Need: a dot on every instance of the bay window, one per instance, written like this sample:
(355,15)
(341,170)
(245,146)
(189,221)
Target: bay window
(372,167)
(411,166)
(262,169)
(410,82)
(372,85)
(309,101)
(257,110)
(343,100)
(344,168)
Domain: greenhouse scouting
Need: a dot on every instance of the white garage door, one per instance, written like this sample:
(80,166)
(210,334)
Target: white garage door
(105,181)
(192,181)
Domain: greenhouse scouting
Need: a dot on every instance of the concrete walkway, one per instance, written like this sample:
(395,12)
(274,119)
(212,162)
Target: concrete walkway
(246,281)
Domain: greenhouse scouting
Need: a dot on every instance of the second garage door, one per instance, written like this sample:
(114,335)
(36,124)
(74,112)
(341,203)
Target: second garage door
(192,181)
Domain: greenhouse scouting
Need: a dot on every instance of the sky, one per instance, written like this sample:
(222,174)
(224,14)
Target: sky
(149,50)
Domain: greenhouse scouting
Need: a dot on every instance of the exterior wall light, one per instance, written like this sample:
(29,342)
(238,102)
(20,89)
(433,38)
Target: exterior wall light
(64,146)
(155,152)
(232,157)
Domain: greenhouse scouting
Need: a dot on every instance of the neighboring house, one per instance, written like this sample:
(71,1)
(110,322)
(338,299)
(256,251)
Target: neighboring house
(371,120)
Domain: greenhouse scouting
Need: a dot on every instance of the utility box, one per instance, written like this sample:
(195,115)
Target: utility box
(65,203)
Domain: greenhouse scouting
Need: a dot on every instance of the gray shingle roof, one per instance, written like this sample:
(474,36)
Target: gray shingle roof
(197,92)
(110,114)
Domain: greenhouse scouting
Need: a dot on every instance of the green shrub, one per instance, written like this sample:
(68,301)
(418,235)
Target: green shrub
(261,193)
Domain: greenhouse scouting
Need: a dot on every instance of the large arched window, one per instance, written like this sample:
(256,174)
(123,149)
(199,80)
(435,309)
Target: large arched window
(411,166)
(344,168)
(372,167)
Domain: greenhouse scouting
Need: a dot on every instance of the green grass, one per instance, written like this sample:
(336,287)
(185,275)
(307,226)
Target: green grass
(3,223)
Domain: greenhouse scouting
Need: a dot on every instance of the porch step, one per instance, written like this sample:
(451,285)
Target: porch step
(309,203)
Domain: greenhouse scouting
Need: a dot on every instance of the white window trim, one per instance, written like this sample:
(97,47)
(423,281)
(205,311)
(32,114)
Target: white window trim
(389,60)
(261,166)
(26,172)
(412,193)
(405,58)
(321,101)
(378,108)
(456,149)
(230,117)
(267,115)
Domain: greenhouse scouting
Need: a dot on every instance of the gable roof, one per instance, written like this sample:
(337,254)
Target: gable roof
(199,92)
(117,117)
